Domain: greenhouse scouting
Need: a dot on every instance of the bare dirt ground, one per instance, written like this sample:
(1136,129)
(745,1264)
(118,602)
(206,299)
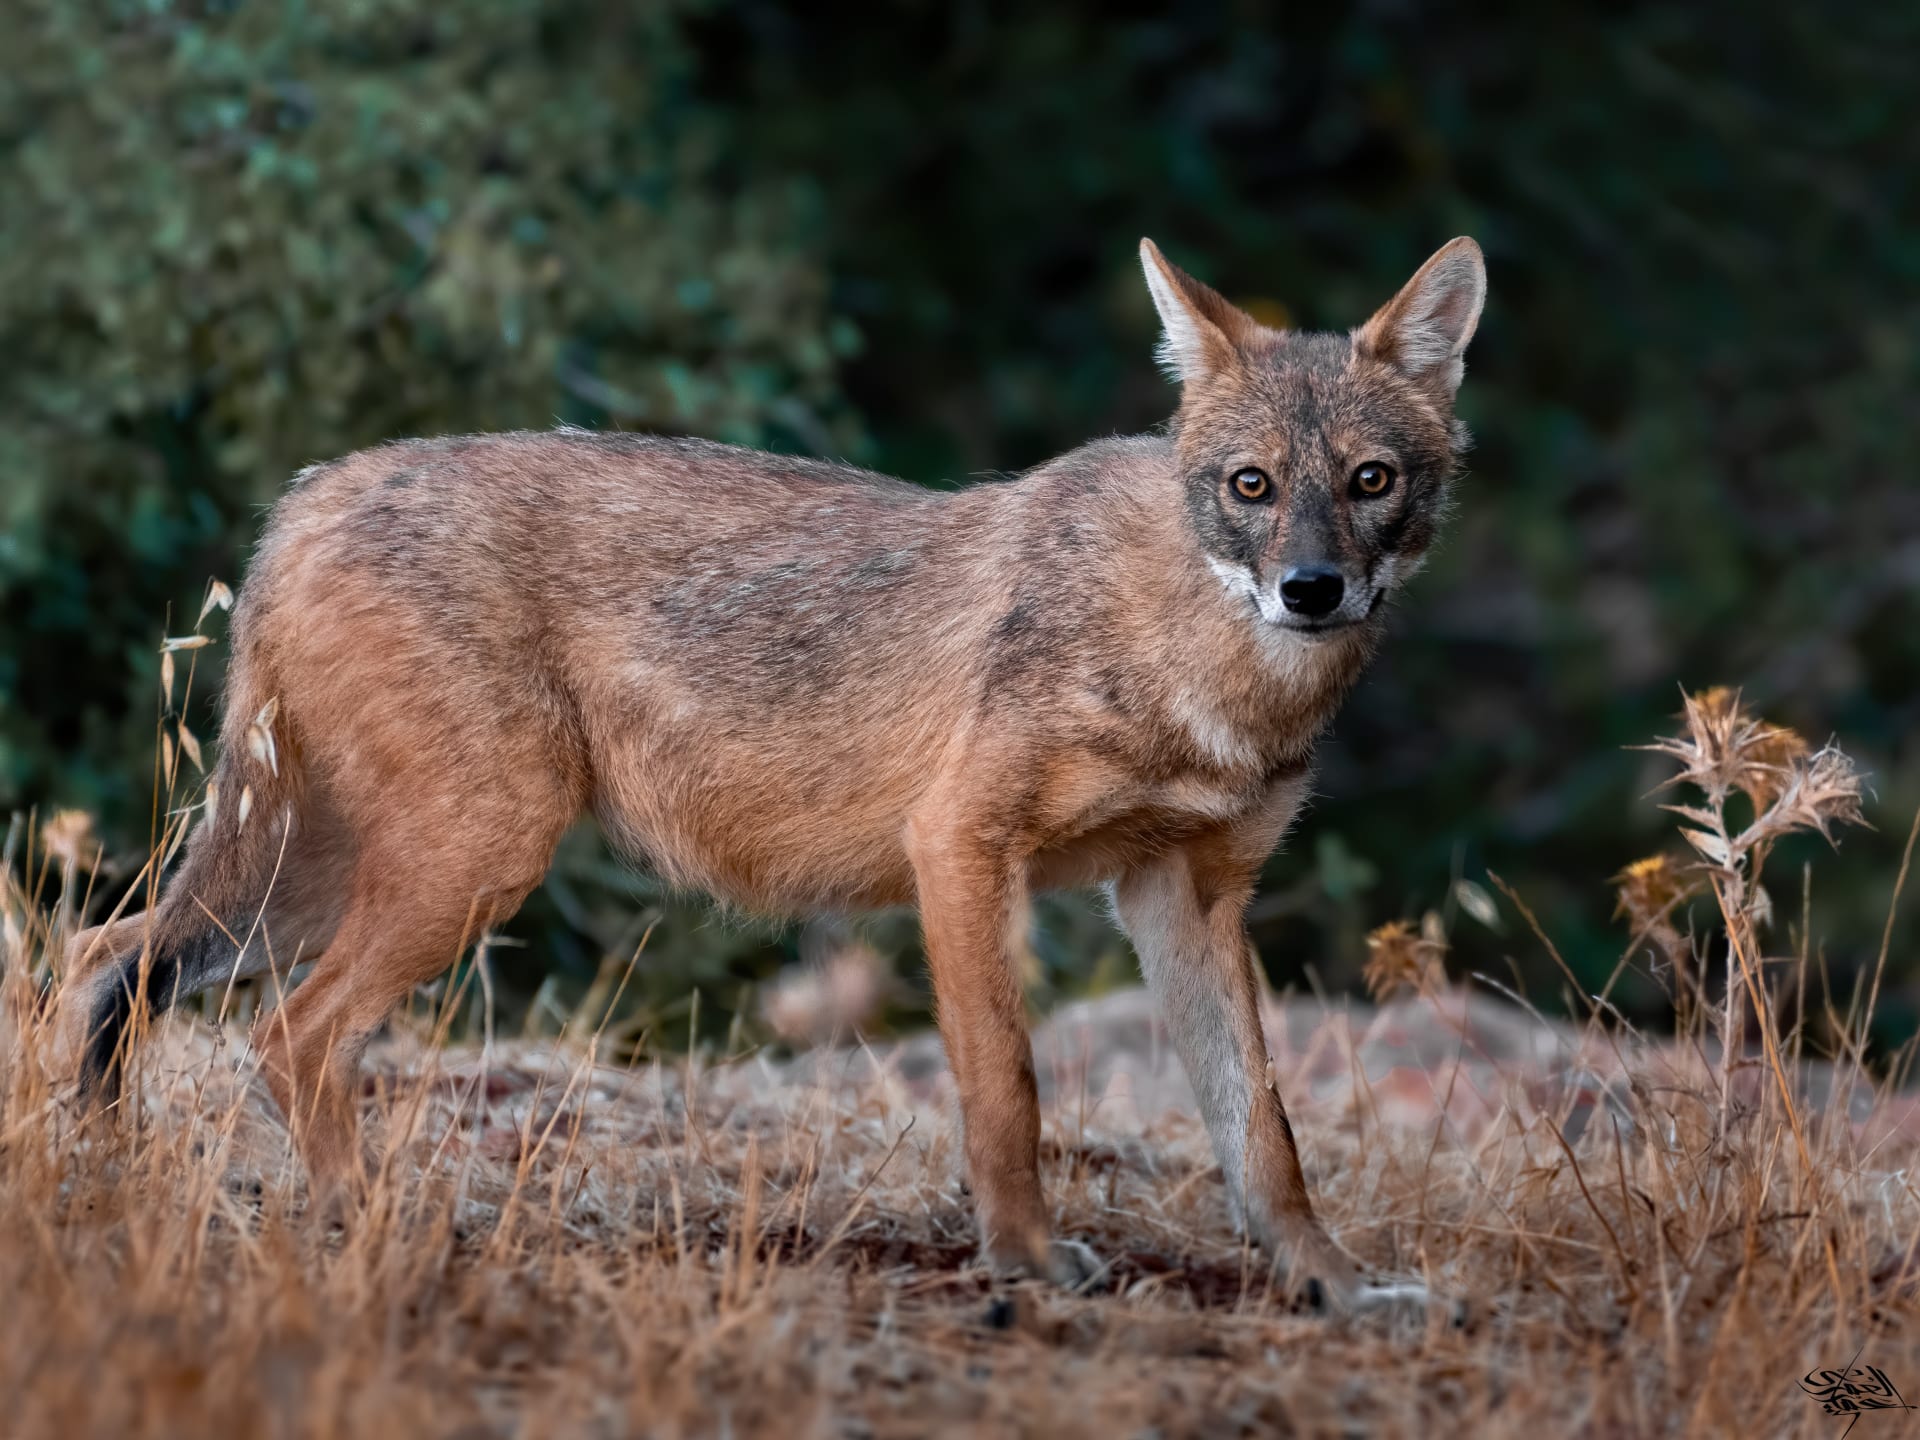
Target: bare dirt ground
(780,1248)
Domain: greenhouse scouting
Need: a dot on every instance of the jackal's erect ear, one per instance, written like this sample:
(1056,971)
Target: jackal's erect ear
(1423,331)
(1203,327)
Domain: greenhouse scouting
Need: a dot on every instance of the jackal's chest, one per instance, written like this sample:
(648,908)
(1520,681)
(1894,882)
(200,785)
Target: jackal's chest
(1100,821)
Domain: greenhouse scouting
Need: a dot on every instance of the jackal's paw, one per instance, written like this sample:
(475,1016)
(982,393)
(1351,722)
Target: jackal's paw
(1388,1297)
(1074,1266)
(1066,1263)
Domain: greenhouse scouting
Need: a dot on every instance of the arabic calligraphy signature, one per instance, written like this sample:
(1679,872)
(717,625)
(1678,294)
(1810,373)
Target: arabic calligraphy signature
(1853,1389)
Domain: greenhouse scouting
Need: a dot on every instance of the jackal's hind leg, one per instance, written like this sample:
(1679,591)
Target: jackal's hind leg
(415,901)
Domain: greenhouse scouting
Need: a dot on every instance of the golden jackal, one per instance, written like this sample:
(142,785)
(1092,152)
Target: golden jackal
(800,686)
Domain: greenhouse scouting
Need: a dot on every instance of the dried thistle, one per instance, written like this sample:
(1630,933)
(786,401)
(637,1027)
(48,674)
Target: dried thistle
(1647,893)
(1722,748)
(1398,955)
(1820,791)
(1714,731)
(1651,889)
(1767,760)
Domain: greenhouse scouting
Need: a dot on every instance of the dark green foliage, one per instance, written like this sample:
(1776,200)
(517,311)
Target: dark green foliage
(241,237)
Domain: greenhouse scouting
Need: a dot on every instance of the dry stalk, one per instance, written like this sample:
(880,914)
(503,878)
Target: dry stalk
(1721,750)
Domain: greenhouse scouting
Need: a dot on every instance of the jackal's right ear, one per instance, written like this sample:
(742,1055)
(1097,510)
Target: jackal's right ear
(1203,327)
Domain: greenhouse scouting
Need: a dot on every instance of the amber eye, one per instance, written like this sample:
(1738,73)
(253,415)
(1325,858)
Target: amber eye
(1251,484)
(1373,479)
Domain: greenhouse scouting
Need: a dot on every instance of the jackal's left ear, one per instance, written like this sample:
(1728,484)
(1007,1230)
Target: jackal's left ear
(1423,331)
(1203,327)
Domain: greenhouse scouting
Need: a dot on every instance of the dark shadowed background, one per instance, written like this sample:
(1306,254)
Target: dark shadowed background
(240,236)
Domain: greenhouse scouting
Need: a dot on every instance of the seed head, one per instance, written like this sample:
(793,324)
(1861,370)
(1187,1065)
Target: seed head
(1398,955)
(1649,890)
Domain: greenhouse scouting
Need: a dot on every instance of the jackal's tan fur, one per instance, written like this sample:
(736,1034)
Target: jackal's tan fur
(800,686)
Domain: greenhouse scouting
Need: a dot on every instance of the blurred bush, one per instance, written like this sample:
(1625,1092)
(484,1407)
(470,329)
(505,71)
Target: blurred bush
(244,236)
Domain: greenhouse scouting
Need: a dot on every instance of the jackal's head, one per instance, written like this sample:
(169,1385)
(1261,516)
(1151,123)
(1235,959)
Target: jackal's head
(1316,467)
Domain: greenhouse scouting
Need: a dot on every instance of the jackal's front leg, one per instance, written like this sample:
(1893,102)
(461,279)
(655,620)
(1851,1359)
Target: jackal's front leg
(968,896)
(1194,952)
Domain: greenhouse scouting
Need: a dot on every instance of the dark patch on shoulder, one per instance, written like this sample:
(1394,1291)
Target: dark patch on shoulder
(1020,642)
(1013,627)
(1076,536)
(1108,686)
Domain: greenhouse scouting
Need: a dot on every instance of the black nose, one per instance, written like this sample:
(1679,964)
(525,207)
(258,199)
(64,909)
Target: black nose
(1312,590)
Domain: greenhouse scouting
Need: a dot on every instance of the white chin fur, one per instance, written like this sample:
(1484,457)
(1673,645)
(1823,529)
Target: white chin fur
(1239,581)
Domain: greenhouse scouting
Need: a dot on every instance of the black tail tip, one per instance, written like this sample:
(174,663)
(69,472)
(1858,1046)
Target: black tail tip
(106,1037)
(103,1060)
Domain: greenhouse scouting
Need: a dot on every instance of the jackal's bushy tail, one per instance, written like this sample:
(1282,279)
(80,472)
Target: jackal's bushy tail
(194,933)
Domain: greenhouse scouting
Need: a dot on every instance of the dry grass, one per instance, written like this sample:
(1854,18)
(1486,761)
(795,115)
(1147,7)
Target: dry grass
(558,1247)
